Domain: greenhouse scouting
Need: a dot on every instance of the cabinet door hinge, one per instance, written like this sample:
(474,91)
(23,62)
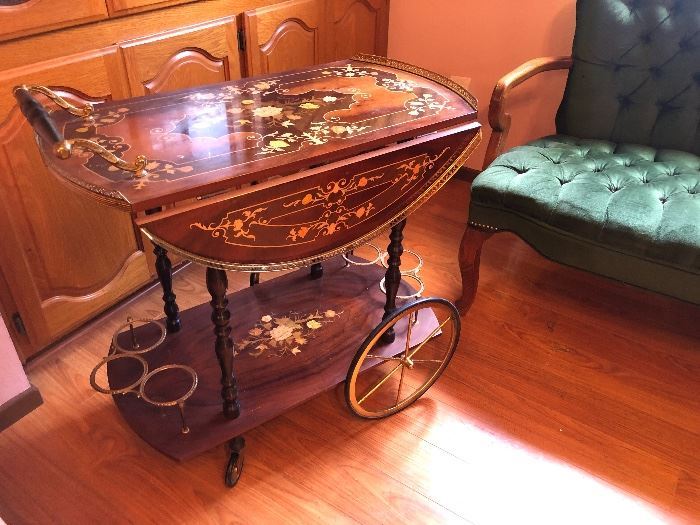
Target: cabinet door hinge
(19,324)
(241,40)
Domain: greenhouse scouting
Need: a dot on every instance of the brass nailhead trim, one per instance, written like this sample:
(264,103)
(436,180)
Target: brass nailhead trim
(483,226)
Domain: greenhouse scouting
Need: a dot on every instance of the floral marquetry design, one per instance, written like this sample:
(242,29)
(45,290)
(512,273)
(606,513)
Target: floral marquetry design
(322,211)
(279,336)
(235,226)
(184,134)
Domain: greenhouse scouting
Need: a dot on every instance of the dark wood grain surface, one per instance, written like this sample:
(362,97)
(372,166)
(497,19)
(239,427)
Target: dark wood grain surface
(280,222)
(216,137)
(269,381)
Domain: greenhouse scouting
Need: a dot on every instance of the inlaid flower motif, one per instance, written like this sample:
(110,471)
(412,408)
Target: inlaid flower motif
(267,111)
(278,144)
(282,332)
(284,335)
(329,99)
(309,105)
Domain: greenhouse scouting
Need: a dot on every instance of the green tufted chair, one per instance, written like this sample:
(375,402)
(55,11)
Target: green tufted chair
(617,190)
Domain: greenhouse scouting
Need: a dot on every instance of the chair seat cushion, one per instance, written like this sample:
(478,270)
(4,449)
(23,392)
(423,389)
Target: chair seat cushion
(635,200)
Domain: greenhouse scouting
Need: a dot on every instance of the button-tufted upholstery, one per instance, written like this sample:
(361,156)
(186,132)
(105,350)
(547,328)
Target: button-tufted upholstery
(617,191)
(626,211)
(635,77)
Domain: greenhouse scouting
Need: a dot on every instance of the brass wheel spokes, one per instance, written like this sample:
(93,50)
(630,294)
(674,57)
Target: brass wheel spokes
(404,362)
(373,389)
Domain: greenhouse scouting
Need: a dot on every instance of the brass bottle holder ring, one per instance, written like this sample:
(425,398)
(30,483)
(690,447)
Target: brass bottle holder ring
(382,256)
(135,347)
(412,271)
(115,391)
(138,387)
(417,293)
(378,258)
(180,401)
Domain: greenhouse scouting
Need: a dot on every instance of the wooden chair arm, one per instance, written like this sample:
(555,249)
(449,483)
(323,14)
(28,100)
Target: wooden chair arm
(499,119)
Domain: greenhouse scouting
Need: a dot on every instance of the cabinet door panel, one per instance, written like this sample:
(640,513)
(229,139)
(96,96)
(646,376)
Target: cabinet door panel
(23,17)
(359,26)
(189,57)
(124,7)
(286,36)
(67,256)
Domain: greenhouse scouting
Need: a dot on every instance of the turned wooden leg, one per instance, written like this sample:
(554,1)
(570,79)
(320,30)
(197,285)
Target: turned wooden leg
(164,268)
(316,271)
(217,283)
(469,258)
(392,278)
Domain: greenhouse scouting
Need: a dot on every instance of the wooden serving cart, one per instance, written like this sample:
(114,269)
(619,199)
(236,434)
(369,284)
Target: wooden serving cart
(264,174)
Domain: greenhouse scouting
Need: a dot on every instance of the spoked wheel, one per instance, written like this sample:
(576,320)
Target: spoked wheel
(386,378)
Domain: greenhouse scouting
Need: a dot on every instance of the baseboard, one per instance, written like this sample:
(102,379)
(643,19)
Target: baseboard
(19,406)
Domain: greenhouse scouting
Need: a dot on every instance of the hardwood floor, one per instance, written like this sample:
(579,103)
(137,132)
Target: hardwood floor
(571,399)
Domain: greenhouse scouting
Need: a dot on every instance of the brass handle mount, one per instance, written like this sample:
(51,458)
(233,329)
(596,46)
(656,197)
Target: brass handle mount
(40,119)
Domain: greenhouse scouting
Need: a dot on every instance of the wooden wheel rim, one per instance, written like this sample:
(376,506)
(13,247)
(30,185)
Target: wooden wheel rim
(351,395)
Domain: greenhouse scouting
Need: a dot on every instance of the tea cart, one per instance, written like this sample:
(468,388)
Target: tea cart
(280,172)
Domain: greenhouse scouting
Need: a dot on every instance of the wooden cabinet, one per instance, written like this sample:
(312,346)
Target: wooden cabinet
(192,56)
(285,36)
(189,57)
(123,7)
(358,26)
(20,17)
(65,256)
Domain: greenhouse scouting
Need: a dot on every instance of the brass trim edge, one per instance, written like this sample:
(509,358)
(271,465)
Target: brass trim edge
(454,163)
(430,75)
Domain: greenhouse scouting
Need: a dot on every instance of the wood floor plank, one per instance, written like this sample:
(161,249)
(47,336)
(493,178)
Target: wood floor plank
(572,398)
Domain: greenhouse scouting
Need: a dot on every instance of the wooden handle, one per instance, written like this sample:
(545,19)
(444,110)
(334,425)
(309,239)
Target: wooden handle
(41,121)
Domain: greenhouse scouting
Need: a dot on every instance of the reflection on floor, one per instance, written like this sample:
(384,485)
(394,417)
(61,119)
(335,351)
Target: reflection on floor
(571,399)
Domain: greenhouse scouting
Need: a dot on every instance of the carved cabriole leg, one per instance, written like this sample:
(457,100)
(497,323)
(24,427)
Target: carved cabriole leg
(217,283)
(469,258)
(164,268)
(393,274)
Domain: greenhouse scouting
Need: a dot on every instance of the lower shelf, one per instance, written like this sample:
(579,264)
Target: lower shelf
(315,329)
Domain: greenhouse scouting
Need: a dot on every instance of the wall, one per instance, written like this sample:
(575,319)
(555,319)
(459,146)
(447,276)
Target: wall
(13,381)
(483,40)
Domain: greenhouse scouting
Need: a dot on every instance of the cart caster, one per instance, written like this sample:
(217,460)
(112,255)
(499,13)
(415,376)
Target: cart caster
(234,468)
(380,381)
